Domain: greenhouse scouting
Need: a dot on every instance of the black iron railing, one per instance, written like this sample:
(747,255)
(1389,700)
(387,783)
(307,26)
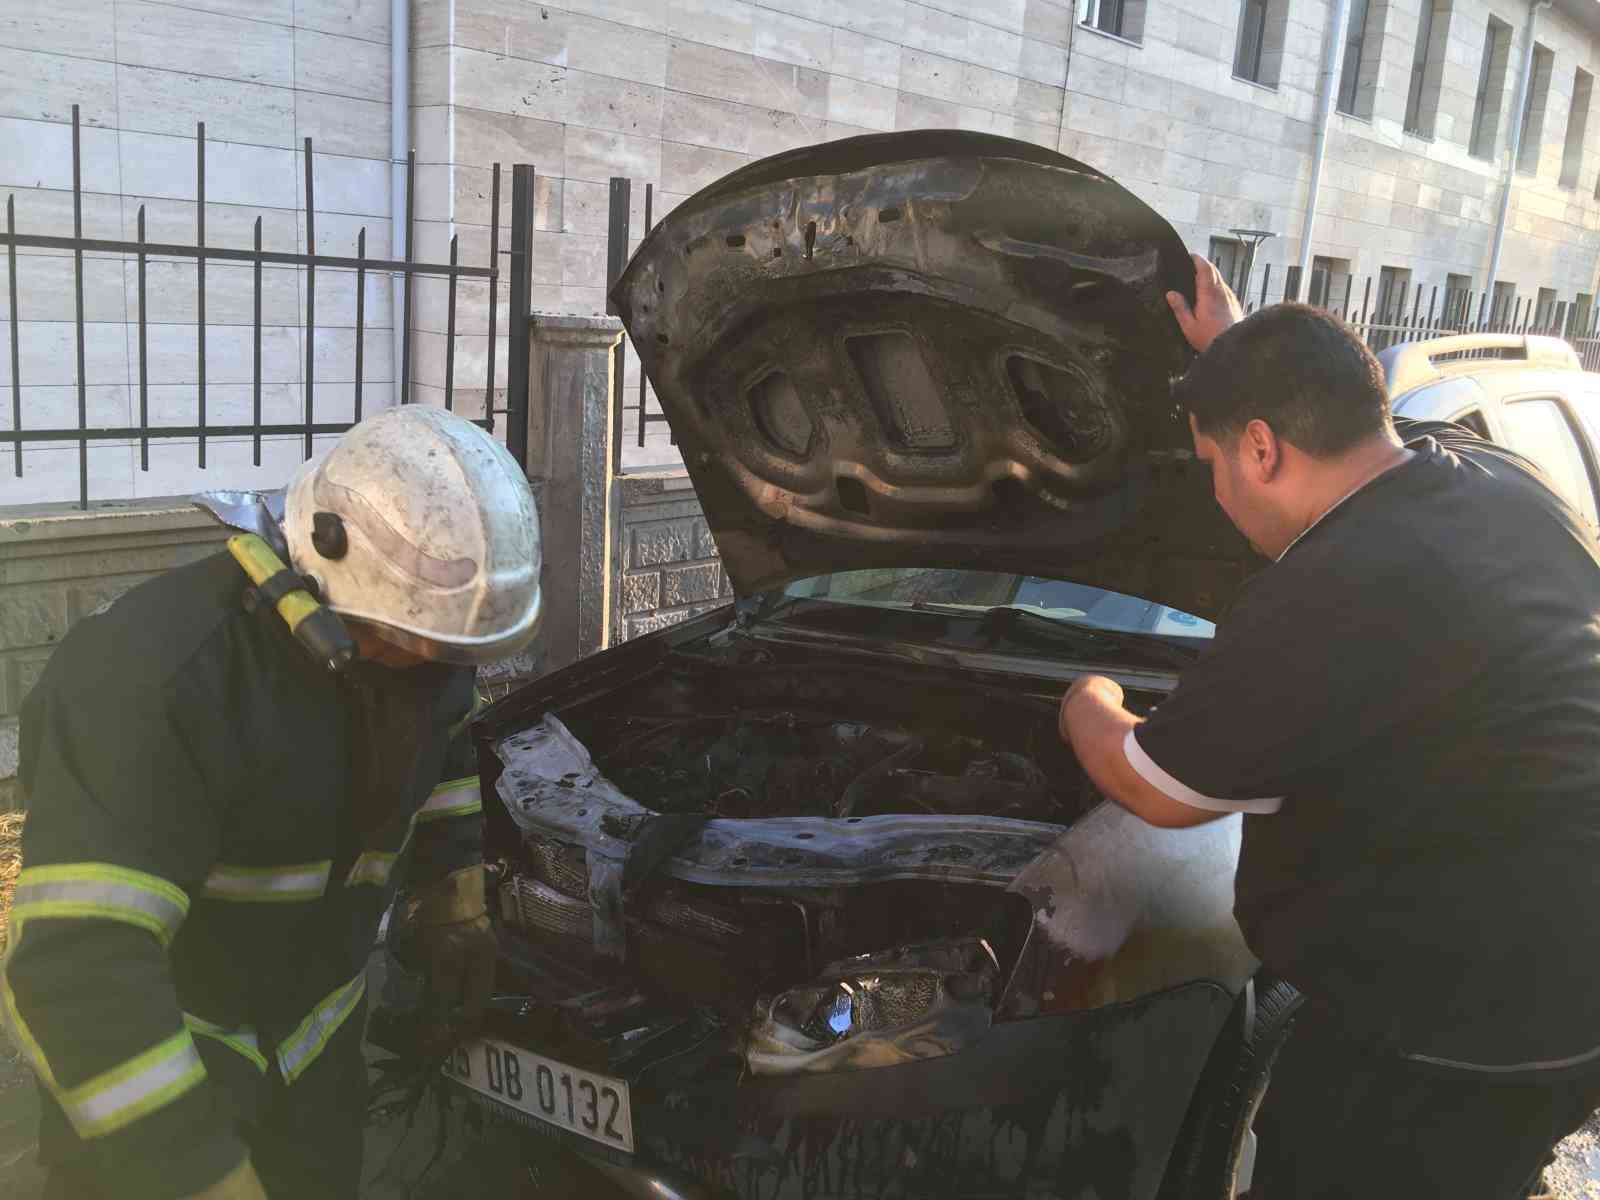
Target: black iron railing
(618,219)
(142,251)
(1387,316)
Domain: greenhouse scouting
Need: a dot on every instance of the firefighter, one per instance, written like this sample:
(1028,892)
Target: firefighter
(216,820)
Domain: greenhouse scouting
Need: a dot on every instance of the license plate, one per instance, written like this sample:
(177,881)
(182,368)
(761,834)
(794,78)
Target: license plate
(589,1105)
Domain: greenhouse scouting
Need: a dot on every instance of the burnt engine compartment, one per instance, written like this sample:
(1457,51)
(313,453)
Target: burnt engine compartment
(748,742)
(719,733)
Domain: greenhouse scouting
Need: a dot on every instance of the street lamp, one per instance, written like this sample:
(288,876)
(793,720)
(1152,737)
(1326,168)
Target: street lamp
(1254,237)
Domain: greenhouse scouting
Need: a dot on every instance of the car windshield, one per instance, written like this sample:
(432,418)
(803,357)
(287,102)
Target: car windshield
(1071,603)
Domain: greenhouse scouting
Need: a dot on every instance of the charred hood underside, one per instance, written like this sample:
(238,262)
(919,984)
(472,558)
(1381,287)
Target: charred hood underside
(931,348)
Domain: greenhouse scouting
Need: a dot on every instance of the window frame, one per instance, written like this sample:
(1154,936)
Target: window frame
(1575,428)
(1423,61)
(1483,138)
(1454,310)
(1535,108)
(1350,69)
(1091,14)
(1237,255)
(1251,73)
(1578,106)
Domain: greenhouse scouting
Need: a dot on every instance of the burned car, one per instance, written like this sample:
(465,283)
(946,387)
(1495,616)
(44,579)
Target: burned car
(807,897)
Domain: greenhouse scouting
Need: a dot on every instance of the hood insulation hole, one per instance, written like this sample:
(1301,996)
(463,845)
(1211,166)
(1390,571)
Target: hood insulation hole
(852,494)
(887,215)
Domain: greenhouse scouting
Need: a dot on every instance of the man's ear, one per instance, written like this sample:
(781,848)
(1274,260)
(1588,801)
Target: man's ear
(1260,451)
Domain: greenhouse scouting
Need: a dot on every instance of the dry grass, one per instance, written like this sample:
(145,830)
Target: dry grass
(10,866)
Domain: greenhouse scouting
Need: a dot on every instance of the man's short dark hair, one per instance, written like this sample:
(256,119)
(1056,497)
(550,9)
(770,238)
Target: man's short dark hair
(1301,370)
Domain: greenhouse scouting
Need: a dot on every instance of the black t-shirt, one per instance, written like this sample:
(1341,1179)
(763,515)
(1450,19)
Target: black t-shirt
(1409,699)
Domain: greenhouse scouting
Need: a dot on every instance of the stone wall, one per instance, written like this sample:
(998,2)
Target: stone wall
(666,565)
(58,567)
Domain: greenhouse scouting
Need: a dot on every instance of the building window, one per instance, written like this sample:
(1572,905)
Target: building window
(1228,255)
(1427,67)
(1458,302)
(1330,281)
(1258,56)
(1120,18)
(1544,308)
(1581,315)
(1350,77)
(1503,307)
(1577,128)
(1394,290)
(1534,105)
(1491,90)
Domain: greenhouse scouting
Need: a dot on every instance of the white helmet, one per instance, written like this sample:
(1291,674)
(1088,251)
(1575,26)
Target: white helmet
(419,524)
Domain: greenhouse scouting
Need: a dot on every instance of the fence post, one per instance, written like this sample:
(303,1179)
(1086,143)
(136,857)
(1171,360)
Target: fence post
(521,267)
(621,197)
(571,434)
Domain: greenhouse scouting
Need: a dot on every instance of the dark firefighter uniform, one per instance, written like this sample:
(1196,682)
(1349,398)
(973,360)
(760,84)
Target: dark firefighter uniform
(215,823)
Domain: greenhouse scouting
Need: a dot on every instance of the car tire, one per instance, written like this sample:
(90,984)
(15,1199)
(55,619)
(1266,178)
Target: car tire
(1215,1142)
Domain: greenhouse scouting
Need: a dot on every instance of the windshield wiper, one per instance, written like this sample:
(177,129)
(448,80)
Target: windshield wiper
(1021,624)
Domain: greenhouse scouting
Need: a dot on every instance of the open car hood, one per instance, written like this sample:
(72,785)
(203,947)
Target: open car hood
(935,348)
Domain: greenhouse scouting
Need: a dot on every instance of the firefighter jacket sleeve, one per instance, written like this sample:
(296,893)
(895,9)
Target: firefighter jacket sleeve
(121,831)
(449,826)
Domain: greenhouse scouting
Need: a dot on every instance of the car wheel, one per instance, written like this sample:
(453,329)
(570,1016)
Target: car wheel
(1215,1149)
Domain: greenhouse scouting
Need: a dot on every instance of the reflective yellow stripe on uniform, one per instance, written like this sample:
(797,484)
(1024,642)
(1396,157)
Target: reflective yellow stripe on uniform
(99,891)
(141,1085)
(18,1028)
(300,1049)
(455,798)
(242,1041)
(298,881)
(373,866)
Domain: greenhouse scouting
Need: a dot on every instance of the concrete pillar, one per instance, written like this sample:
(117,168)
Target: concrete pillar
(570,436)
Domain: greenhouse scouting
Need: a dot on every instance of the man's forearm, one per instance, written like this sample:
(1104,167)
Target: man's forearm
(1095,724)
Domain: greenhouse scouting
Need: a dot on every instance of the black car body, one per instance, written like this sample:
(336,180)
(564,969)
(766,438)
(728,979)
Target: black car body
(807,897)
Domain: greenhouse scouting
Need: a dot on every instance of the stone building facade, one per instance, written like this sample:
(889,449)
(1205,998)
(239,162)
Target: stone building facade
(1207,111)
(263,75)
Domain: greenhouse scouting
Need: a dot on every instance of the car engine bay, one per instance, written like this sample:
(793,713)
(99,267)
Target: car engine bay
(819,866)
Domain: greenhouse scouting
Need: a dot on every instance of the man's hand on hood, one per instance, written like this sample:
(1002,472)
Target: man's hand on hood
(1215,309)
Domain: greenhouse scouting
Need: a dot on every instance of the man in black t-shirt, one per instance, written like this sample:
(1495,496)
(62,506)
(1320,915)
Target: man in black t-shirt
(1407,704)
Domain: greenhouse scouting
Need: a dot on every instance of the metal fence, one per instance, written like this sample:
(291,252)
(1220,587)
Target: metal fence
(142,252)
(618,219)
(1383,316)
(1387,316)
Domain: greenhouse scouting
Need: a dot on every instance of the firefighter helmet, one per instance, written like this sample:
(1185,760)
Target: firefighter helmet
(421,526)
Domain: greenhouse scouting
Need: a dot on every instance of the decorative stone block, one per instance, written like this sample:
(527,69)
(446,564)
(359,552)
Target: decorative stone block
(641,591)
(705,546)
(651,622)
(687,585)
(664,542)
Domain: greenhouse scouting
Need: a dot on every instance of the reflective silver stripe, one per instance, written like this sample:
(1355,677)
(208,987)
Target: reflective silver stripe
(455,798)
(100,891)
(1175,789)
(300,1049)
(141,1085)
(1554,1064)
(372,867)
(300,881)
(242,1041)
